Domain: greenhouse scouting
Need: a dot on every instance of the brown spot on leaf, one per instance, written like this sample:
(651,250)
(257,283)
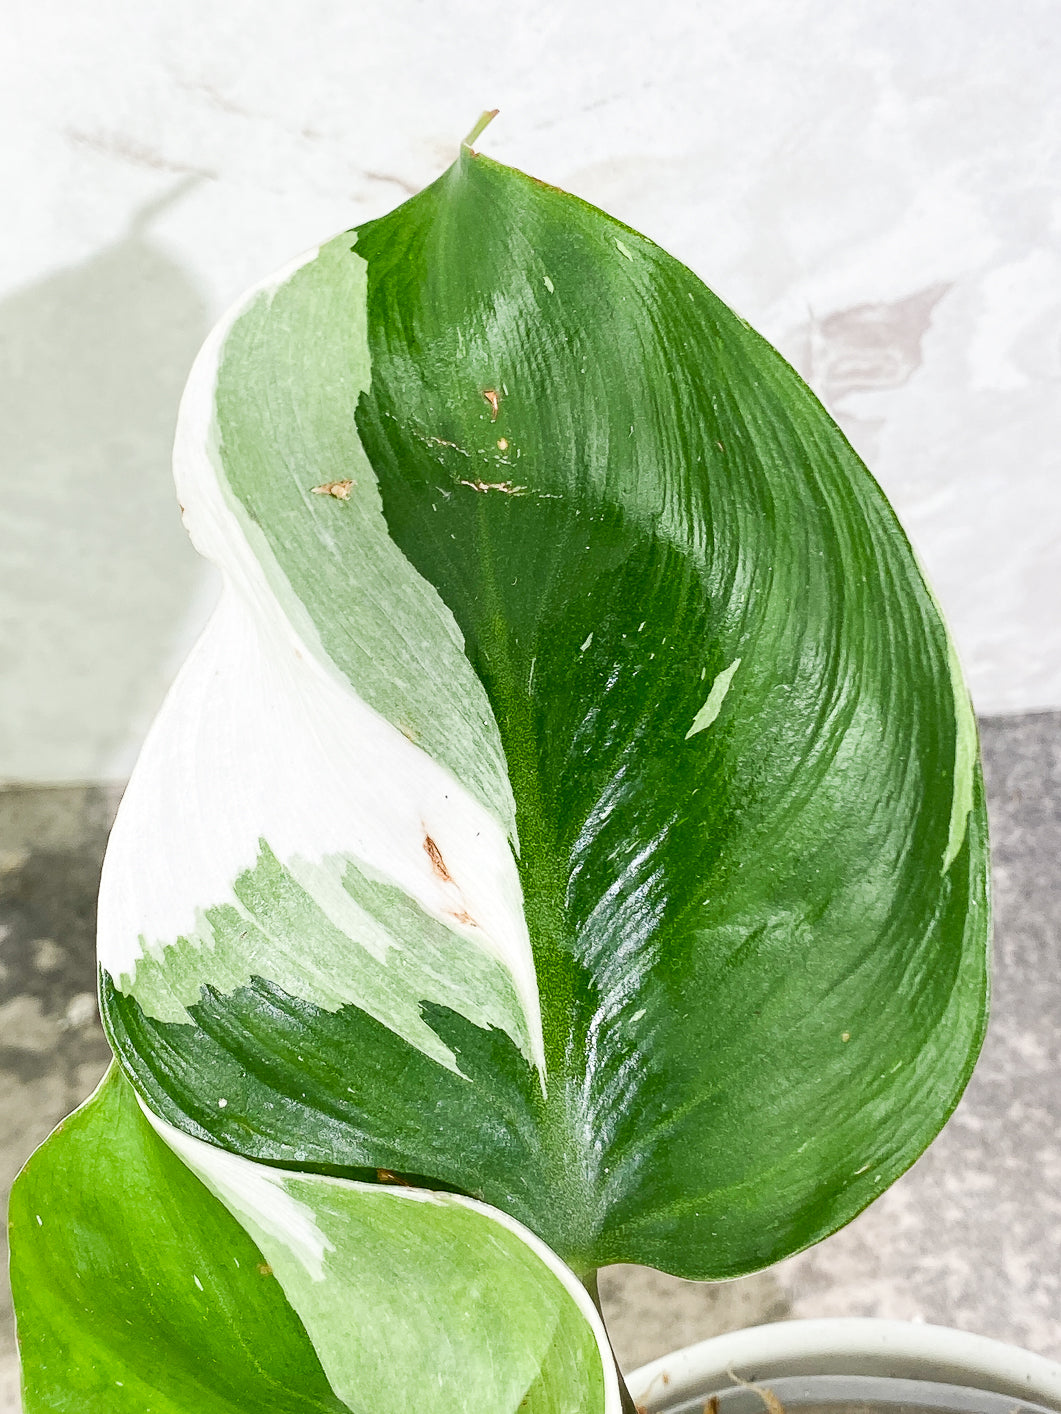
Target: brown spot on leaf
(339,489)
(389,1176)
(438,864)
(492,398)
(264,1269)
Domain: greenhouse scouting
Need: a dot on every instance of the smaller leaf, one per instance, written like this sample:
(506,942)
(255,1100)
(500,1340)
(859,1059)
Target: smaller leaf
(137,1289)
(498,1324)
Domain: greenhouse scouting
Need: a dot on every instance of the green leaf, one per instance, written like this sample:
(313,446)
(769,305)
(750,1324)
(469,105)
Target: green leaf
(575,801)
(136,1288)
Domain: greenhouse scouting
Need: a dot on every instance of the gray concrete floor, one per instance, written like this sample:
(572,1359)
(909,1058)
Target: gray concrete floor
(970,1237)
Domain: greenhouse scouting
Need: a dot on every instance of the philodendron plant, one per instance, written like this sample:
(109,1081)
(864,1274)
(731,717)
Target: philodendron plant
(566,844)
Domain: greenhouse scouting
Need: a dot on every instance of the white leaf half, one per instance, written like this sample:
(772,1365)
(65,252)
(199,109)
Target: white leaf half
(267,750)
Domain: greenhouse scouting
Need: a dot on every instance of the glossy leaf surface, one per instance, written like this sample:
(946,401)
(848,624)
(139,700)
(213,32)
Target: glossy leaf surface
(137,1288)
(575,800)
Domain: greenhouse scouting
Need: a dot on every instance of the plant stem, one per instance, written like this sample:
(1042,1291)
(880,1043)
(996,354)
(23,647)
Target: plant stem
(589,1281)
(484,118)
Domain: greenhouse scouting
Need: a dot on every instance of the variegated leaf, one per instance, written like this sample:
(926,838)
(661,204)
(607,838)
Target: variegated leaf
(574,801)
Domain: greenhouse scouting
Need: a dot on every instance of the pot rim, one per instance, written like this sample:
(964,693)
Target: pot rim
(847,1345)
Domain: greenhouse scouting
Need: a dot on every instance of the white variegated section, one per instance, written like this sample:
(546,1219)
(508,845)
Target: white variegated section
(252,1192)
(256,740)
(284,1225)
(262,738)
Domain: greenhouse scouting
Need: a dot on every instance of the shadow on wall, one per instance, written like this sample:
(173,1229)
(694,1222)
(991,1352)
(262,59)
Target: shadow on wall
(97,572)
(868,348)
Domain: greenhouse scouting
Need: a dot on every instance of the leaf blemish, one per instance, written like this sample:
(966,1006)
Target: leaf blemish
(711,708)
(505,486)
(492,398)
(623,250)
(439,442)
(389,1176)
(339,489)
(438,864)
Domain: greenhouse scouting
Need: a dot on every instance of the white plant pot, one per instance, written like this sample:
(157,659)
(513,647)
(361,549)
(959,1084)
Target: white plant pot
(842,1363)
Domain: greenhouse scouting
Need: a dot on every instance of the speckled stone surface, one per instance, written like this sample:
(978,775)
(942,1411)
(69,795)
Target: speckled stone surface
(970,1237)
(52,1050)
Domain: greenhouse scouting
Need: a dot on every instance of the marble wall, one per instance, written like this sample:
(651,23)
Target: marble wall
(875,186)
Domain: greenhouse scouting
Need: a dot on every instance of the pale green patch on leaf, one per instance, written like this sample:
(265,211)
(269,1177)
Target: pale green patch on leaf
(334,936)
(288,376)
(966,756)
(715,698)
(328,650)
